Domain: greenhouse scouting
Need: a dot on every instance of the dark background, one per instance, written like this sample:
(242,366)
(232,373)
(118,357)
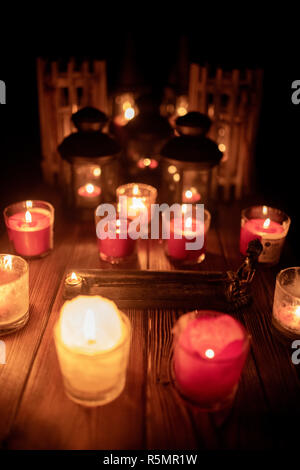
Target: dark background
(154,53)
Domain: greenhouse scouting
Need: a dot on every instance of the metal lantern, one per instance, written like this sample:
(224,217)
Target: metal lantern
(145,135)
(187,162)
(90,167)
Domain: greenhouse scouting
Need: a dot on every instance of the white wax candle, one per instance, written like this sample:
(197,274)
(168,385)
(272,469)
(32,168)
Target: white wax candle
(92,341)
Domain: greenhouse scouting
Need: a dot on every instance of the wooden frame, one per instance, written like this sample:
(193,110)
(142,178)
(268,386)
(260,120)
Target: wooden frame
(232,100)
(63,88)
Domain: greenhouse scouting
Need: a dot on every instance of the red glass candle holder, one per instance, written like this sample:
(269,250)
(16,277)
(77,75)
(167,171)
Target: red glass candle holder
(118,249)
(209,352)
(176,248)
(30,227)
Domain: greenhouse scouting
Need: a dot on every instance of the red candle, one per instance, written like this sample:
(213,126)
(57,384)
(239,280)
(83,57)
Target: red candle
(116,249)
(210,349)
(176,247)
(89,190)
(31,230)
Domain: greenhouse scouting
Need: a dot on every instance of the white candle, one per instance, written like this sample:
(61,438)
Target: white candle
(92,340)
(14,293)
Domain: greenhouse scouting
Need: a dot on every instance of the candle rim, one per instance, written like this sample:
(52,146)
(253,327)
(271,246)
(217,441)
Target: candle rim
(280,286)
(196,354)
(85,351)
(23,263)
(286,218)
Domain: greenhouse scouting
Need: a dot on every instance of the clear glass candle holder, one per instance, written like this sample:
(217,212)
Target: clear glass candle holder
(286,306)
(93,374)
(14,293)
(176,248)
(139,198)
(267,224)
(30,227)
(209,352)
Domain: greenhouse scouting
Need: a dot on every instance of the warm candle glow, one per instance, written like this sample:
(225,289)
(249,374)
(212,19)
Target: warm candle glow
(7,262)
(188,223)
(74,276)
(184,208)
(297,312)
(209,353)
(147,161)
(129,113)
(89,328)
(265,210)
(172,169)
(28,204)
(267,223)
(97,171)
(89,188)
(135,190)
(28,217)
(188,194)
(176,177)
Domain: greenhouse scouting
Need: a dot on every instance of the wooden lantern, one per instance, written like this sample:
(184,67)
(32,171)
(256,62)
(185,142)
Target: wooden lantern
(232,100)
(63,89)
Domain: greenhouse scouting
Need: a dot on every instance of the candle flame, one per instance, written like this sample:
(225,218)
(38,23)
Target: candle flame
(188,223)
(74,277)
(172,169)
(147,162)
(89,188)
(209,353)
(28,204)
(118,223)
(267,223)
(129,113)
(137,203)
(97,171)
(135,190)
(89,327)
(188,194)
(297,312)
(28,217)
(184,208)
(265,210)
(7,262)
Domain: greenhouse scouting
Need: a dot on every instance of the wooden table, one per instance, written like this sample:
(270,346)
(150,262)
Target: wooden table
(36,414)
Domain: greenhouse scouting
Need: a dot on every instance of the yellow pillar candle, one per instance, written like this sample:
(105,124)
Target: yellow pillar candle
(14,293)
(92,340)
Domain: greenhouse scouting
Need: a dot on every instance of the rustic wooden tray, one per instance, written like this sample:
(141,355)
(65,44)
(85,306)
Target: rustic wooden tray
(155,289)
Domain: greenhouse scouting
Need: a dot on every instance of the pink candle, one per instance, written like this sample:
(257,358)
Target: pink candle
(210,349)
(176,247)
(31,230)
(116,249)
(257,222)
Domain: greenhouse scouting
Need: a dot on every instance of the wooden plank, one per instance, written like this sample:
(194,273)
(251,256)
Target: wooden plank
(45,275)
(279,381)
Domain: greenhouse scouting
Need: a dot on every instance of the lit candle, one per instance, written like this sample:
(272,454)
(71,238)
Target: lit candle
(270,226)
(191,195)
(73,284)
(139,199)
(210,349)
(116,250)
(147,163)
(92,340)
(14,293)
(286,307)
(89,190)
(30,227)
(189,229)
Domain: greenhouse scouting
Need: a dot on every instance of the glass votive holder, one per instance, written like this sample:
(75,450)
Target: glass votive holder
(267,224)
(114,240)
(139,198)
(176,249)
(209,352)
(286,306)
(92,339)
(14,293)
(30,227)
